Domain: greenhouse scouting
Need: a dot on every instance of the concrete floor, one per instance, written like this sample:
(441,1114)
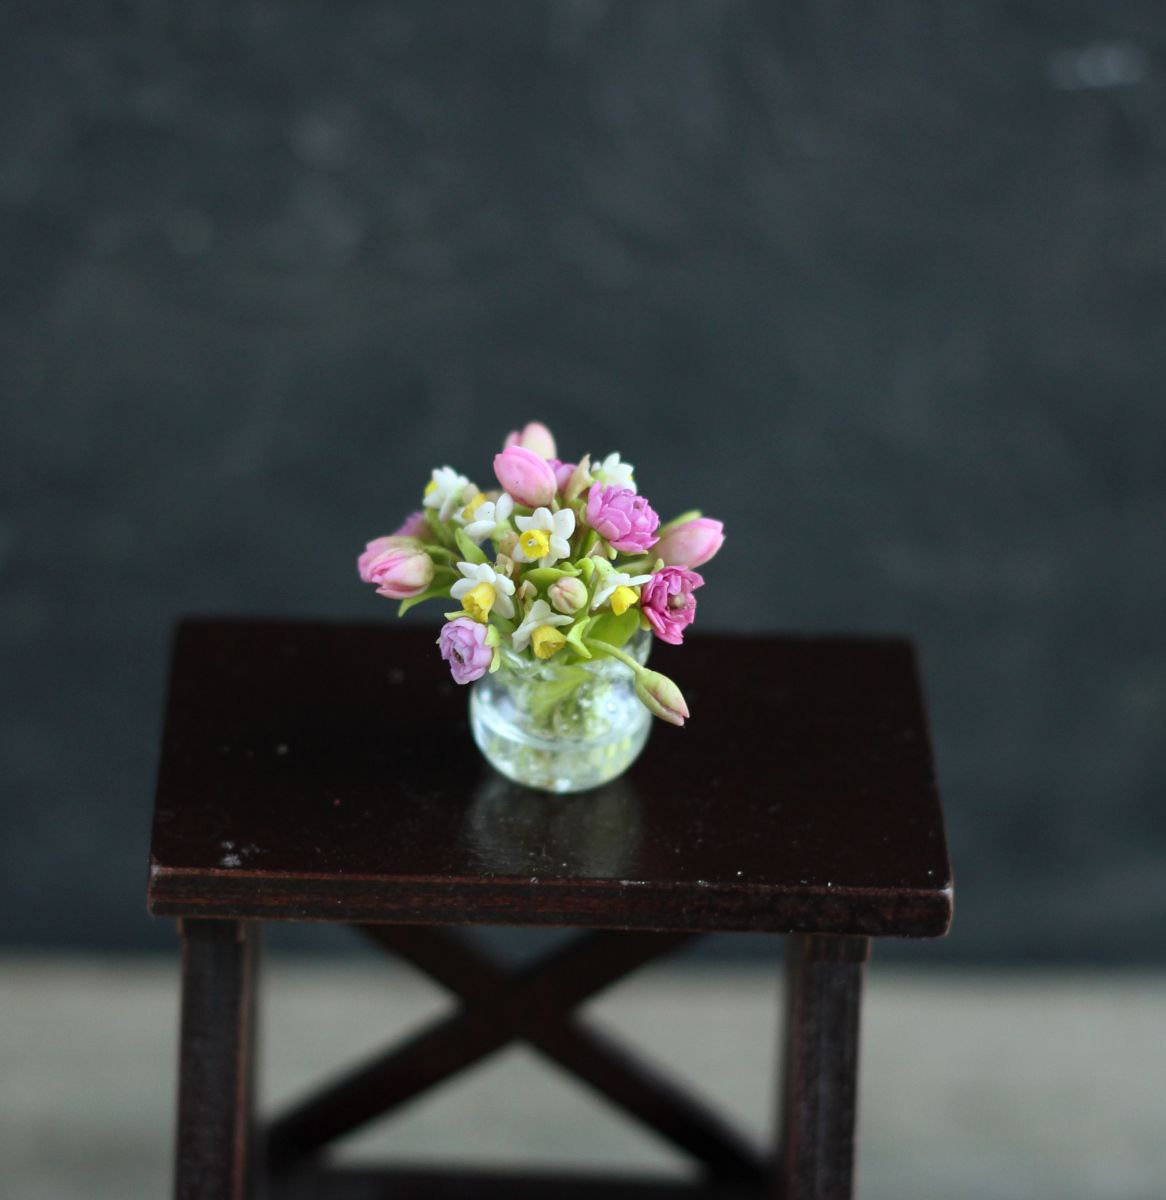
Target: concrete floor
(990,1086)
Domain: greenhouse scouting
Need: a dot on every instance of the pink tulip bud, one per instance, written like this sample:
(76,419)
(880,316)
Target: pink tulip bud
(661,697)
(536,436)
(415,526)
(526,476)
(567,595)
(398,566)
(378,548)
(691,544)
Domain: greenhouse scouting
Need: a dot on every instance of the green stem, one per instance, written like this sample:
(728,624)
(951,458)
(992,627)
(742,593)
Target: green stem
(607,648)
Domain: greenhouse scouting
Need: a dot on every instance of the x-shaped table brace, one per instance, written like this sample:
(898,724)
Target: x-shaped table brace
(534,1004)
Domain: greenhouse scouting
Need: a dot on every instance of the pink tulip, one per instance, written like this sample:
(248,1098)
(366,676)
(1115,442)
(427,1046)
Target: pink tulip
(526,476)
(626,520)
(378,548)
(415,526)
(668,603)
(691,544)
(536,436)
(398,566)
(463,646)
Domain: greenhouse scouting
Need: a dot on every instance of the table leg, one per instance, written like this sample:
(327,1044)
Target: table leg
(215,1075)
(819,1096)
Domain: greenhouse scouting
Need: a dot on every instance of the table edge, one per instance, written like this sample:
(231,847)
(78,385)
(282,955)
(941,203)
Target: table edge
(593,903)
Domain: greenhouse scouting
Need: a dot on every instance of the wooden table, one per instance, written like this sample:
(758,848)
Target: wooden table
(318,772)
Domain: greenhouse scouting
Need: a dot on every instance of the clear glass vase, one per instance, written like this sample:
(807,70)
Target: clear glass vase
(558,726)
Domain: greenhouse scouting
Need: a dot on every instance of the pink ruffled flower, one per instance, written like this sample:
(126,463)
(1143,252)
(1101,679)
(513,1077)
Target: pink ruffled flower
(535,436)
(526,476)
(626,520)
(415,526)
(668,603)
(691,544)
(398,566)
(463,646)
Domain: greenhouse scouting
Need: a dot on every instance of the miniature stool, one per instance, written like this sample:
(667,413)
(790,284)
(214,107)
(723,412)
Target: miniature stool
(319,772)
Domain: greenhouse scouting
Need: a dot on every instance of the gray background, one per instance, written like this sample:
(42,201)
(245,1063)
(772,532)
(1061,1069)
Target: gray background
(882,286)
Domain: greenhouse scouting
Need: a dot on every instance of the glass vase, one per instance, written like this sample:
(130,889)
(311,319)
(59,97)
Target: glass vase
(559,726)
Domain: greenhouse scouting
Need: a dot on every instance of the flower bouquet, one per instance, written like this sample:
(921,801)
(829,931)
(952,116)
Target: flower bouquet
(557,615)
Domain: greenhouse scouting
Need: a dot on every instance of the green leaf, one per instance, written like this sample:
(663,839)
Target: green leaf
(470,553)
(430,594)
(634,566)
(586,571)
(614,630)
(544,697)
(684,518)
(576,635)
(440,532)
(543,577)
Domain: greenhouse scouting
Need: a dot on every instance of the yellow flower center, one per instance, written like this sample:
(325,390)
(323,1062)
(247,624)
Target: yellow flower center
(478,601)
(536,543)
(547,640)
(431,487)
(473,506)
(623,598)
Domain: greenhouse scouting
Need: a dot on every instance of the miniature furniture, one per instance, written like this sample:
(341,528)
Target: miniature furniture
(317,772)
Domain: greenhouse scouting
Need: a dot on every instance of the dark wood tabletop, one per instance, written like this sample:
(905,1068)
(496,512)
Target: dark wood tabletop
(314,771)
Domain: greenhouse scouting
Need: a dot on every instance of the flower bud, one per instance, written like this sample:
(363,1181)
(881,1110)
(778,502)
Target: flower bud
(415,526)
(527,592)
(399,570)
(526,476)
(580,480)
(661,697)
(692,543)
(567,595)
(535,436)
(506,544)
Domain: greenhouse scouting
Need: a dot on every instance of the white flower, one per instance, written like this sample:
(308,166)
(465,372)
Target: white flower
(446,490)
(540,614)
(476,574)
(544,536)
(488,515)
(611,580)
(612,472)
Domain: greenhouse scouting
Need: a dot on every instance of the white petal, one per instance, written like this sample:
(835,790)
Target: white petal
(504,507)
(503,584)
(503,605)
(460,588)
(524,523)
